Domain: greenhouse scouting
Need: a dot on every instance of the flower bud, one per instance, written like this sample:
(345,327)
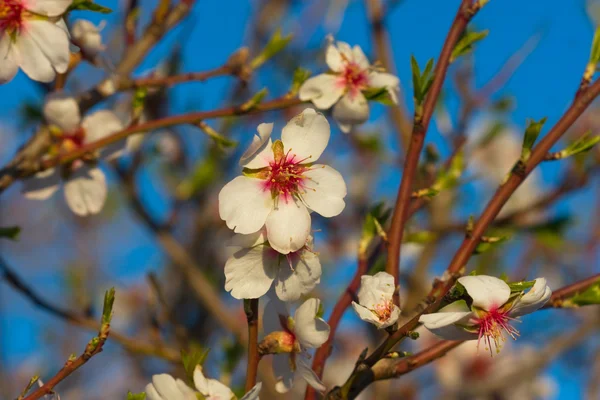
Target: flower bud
(87,36)
(278,342)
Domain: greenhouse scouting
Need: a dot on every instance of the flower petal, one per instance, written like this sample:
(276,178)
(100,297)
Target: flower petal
(166,386)
(385,80)
(87,36)
(333,57)
(53,41)
(306,136)
(49,8)
(8,63)
(63,111)
(240,241)
(273,310)
(31,59)
(210,387)
(85,190)
(359,58)
(283,373)
(259,154)
(324,190)
(152,393)
(300,278)
(310,330)
(249,273)
(535,298)
(366,315)
(288,226)
(352,109)
(253,393)
(487,292)
(442,325)
(323,90)
(307,373)
(101,124)
(244,204)
(375,289)
(42,185)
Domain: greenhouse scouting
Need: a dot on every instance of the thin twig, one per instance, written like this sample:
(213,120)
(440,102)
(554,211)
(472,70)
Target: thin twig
(251,310)
(560,295)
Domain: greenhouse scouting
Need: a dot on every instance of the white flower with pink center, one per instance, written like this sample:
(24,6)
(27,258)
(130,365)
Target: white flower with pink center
(33,37)
(255,267)
(492,314)
(281,184)
(351,75)
(85,187)
(375,304)
(297,335)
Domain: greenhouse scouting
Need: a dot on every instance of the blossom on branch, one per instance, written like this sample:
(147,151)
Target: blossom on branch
(85,187)
(345,86)
(87,36)
(294,337)
(493,310)
(165,387)
(281,184)
(255,267)
(33,37)
(375,304)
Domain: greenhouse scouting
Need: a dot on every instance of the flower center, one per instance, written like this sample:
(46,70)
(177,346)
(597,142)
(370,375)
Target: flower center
(285,176)
(68,142)
(492,325)
(11,16)
(383,310)
(355,77)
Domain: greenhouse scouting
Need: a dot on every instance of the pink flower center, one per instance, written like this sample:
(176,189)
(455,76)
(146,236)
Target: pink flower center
(355,78)
(285,176)
(384,310)
(11,15)
(492,325)
(71,141)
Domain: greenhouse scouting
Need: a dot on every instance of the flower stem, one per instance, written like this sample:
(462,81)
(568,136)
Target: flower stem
(251,310)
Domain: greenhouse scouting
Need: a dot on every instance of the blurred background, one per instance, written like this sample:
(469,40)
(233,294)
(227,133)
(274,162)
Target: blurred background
(161,223)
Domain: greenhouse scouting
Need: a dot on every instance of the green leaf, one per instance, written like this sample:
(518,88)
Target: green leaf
(380,95)
(582,145)
(275,45)
(196,356)
(136,396)
(234,351)
(466,42)
(595,51)
(88,5)
(300,76)
(588,297)
(449,178)
(255,100)
(420,237)
(10,232)
(372,228)
(531,134)
(109,301)
(203,174)
(421,82)
(490,242)
(517,287)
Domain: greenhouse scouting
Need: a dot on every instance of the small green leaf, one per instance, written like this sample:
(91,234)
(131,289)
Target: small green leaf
(380,95)
(420,237)
(10,232)
(109,300)
(450,177)
(300,76)
(234,351)
(203,174)
(582,145)
(372,228)
(588,297)
(490,242)
(196,356)
(88,5)
(275,45)
(517,287)
(421,82)
(466,42)
(136,396)
(595,51)
(255,100)
(531,134)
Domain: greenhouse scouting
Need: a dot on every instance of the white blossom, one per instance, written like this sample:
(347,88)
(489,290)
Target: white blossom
(33,37)
(344,86)
(165,387)
(302,332)
(87,36)
(255,267)
(281,184)
(375,304)
(84,185)
(493,310)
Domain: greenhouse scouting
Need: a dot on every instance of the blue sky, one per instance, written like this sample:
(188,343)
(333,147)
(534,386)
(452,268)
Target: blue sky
(543,86)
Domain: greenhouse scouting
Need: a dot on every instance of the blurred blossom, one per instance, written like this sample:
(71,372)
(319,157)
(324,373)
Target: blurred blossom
(87,36)
(375,304)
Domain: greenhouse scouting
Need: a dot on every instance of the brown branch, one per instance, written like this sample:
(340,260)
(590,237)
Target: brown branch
(251,310)
(421,124)
(132,345)
(560,295)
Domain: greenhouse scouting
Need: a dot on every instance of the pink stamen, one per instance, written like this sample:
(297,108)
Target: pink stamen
(285,178)
(355,77)
(383,310)
(11,15)
(492,325)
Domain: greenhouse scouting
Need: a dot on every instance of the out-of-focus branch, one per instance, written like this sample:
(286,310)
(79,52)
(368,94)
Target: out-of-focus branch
(251,310)
(132,345)
(560,295)
(465,13)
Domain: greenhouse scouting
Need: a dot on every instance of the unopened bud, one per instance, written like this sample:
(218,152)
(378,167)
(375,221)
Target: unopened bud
(87,36)
(278,342)
(238,61)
